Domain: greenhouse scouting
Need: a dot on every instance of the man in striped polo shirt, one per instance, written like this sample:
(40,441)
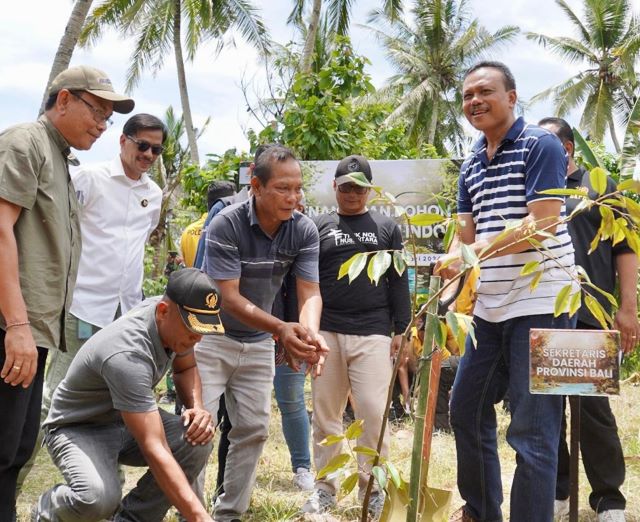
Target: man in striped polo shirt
(500,182)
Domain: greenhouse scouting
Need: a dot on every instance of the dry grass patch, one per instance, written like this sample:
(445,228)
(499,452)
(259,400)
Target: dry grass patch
(275,498)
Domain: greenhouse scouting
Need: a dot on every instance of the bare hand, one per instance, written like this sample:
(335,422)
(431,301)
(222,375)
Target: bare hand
(322,352)
(396,343)
(626,321)
(298,342)
(21,356)
(200,430)
(449,265)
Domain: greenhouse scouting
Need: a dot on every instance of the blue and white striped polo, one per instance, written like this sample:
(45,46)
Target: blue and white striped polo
(528,160)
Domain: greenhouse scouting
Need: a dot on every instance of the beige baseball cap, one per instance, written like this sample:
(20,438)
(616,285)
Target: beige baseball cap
(94,81)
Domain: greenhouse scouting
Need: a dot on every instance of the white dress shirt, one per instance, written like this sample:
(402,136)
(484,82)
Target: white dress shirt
(117,214)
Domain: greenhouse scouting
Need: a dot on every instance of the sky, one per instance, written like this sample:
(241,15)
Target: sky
(30,31)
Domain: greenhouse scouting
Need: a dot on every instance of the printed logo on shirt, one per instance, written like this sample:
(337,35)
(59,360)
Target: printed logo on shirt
(342,238)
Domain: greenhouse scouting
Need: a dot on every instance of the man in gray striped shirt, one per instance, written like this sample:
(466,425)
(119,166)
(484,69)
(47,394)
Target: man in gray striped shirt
(500,182)
(250,247)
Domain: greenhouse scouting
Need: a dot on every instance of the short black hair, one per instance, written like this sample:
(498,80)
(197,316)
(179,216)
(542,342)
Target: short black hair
(561,128)
(144,121)
(264,162)
(219,188)
(51,101)
(509,80)
(261,148)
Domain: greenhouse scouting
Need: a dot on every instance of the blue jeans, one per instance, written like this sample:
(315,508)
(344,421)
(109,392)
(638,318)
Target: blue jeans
(500,363)
(88,455)
(289,388)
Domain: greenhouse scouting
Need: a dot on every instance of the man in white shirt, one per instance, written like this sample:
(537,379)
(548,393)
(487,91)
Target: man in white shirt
(119,208)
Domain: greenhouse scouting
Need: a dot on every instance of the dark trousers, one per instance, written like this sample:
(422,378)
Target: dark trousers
(601,453)
(223,445)
(19,427)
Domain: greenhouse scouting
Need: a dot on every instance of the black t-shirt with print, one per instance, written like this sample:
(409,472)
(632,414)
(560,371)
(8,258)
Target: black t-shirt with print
(360,308)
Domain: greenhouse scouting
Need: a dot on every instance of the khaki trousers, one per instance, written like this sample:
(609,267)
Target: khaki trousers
(360,364)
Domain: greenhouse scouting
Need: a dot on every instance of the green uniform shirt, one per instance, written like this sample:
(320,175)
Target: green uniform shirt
(34,175)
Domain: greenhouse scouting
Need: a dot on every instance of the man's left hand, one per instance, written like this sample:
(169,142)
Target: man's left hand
(396,343)
(200,426)
(626,321)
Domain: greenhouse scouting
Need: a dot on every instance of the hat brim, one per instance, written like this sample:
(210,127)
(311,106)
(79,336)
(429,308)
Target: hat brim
(346,178)
(202,324)
(121,104)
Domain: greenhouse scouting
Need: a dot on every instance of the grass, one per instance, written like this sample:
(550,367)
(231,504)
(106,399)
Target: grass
(276,499)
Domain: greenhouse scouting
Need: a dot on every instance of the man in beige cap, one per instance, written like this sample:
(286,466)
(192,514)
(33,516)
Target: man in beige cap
(40,243)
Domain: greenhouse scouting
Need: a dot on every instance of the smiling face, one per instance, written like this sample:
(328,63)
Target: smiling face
(487,103)
(279,196)
(81,118)
(135,162)
(351,198)
(174,334)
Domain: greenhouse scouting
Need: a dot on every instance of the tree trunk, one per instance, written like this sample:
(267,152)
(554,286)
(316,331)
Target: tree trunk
(182,86)
(67,43)
(431,136)
(614,137)
(310,42)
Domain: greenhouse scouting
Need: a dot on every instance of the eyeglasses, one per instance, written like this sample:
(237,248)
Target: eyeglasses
(345,188)
(99,116)
(144,146)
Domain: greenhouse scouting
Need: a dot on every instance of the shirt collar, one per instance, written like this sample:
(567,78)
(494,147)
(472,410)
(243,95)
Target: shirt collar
(56,136)
(577,175)
(512,134)
(117,170)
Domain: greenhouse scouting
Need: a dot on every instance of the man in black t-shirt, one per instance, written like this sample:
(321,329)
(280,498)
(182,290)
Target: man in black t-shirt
(599,441)
(357,321)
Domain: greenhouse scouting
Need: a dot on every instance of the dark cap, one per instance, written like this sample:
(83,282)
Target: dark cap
(94,81)
(198,300)
(352,165)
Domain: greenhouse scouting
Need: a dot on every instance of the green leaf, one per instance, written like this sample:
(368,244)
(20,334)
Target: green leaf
(399,262)
(576,301)
(562,300)
(632,240)
(380,475)
(449,235)
(609,297)
(529,268)
(594,242)
(535,280)
(452,321)
(426,219)
(360,179)
(349,483)
(330,440)
(629,184)
(633,208)
(468,321)
(607,228)
(358,265)
(390,197)
(441,334)
(394,474)
(354,430)
(344,267)
(378,266)
(469,257)
(576,193)
(336,463)
(598,179)
(588,155)
(596,309)
(364,450)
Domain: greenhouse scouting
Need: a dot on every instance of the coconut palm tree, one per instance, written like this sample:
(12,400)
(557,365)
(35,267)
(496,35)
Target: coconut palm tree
(67,43)
(430,53)
(160,26)
(338,13)
(607,45)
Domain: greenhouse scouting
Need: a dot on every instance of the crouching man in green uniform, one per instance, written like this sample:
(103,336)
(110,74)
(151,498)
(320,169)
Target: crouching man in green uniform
(104,412)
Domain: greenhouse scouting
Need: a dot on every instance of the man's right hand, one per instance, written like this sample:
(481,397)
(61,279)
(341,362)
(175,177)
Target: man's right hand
(21,356)
(298,343)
